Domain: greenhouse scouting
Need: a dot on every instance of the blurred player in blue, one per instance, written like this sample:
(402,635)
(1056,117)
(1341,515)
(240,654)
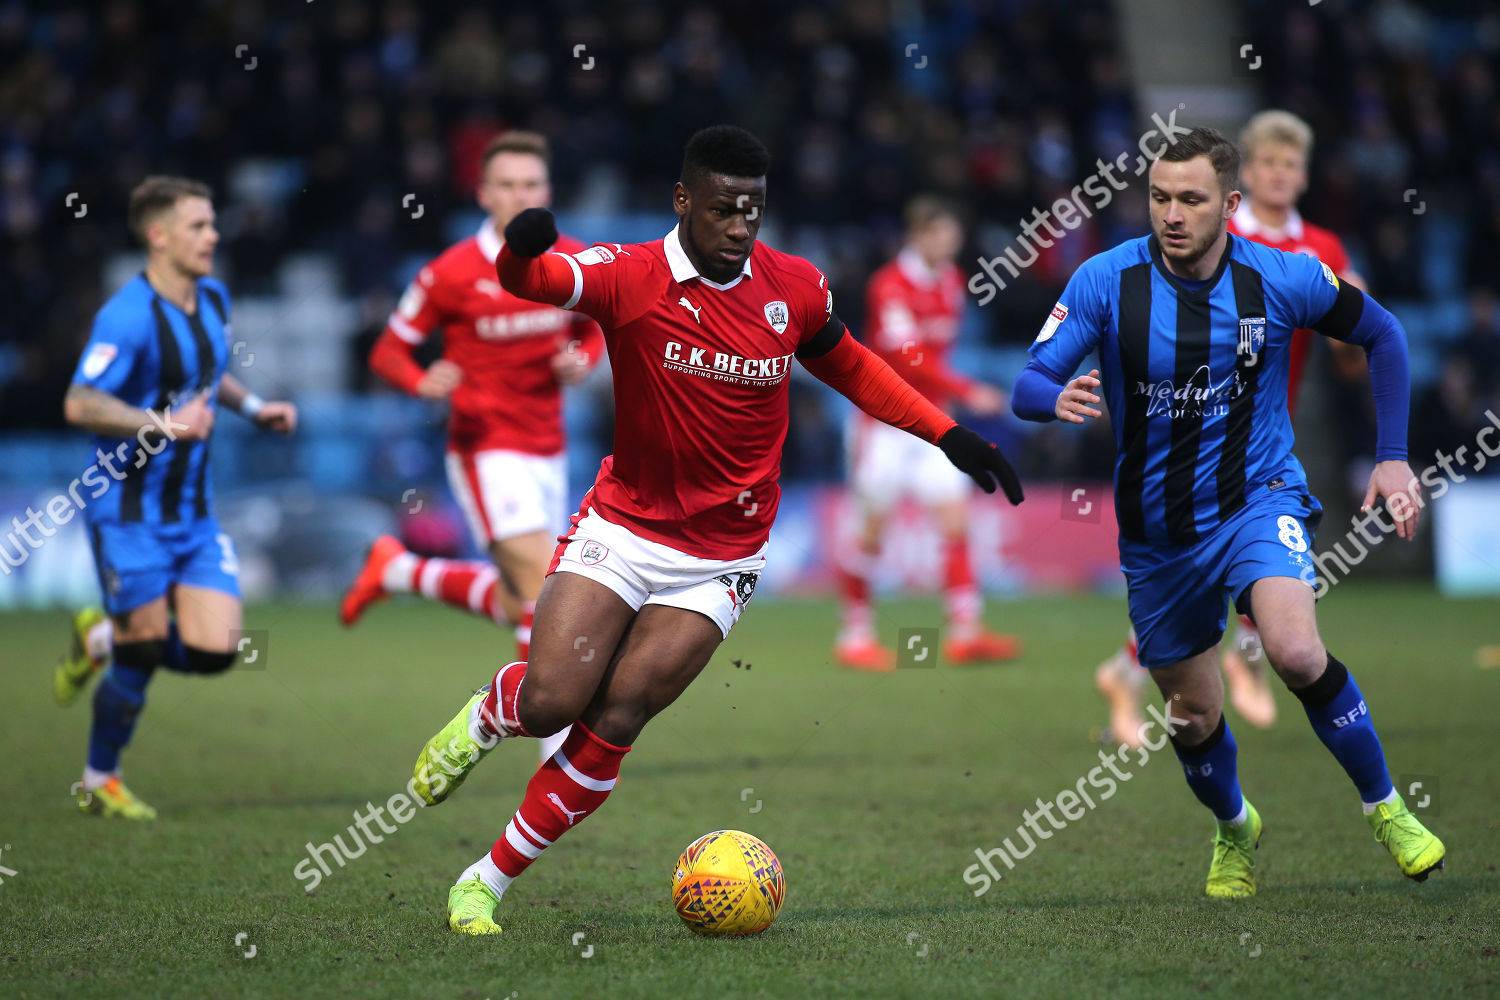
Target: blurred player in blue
(1193,327)
(148,384)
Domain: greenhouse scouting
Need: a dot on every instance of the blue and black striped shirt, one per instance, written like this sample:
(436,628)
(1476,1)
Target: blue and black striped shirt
(1195,378)
(149,353)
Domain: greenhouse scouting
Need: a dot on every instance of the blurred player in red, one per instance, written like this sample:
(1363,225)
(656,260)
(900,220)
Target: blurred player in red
(505,361)
(665,551)
(1276,146)
(914,307)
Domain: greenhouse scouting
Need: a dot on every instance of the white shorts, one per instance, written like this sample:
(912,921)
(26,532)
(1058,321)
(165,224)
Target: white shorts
(646,572)
(886,464)
(508,493)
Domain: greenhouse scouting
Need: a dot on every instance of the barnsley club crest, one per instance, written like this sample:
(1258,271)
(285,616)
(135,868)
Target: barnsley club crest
(592,553)
(776,315)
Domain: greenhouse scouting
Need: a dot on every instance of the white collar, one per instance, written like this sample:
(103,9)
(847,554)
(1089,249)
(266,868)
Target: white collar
(489,241)
(683,269)
(1248,225)
(915,268)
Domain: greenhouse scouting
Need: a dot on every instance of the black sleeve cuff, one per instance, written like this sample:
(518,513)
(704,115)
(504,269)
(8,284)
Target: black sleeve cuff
(824,340)
(1344,315)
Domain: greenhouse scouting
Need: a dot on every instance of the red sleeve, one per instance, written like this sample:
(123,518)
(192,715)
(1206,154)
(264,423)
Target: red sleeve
(892,333)
(416,316)
(552,278)
(392,360)
(955,384)
(588,337)
(868,382)
(607,284)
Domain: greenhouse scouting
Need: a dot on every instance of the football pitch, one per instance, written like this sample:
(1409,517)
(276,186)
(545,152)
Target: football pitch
(874,790)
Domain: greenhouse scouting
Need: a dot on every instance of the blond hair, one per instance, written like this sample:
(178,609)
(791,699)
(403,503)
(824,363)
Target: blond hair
(516,141)
(1279,127)
(924,209)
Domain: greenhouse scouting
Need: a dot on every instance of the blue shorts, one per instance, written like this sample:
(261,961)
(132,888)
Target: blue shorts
(1178,592)
(139,562)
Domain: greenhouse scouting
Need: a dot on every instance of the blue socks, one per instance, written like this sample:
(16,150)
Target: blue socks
(118,699)
(1212,773)
(1339,716)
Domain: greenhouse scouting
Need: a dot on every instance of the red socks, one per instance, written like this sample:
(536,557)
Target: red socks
(564,790)
(466,584)
(960,594)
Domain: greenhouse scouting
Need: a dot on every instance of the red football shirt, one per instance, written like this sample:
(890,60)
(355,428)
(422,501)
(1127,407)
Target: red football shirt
(912,314)
(1297,237)
(509,397)
(701,392)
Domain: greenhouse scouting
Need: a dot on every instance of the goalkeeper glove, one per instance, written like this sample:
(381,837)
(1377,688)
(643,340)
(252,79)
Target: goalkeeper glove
(981,461)
(530,233)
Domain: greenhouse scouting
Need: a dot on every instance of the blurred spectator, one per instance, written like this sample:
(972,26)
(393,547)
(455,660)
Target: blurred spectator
(352,107)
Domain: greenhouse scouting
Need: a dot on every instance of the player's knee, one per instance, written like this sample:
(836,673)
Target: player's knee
(1299,659)
(544,710)
(209,661)
(1199,727)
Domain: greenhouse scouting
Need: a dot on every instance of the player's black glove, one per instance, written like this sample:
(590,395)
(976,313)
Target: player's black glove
(981,461)
(531,233)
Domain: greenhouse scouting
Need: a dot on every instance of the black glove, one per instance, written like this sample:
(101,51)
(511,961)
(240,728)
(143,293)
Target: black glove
(981,461)
(531,233)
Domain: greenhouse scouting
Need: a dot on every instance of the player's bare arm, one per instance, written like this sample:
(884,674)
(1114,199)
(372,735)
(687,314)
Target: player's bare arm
(110,416)
(274,415)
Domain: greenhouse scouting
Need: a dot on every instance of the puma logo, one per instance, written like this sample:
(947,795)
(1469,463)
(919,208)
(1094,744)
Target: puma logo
(566,811)
(695,310)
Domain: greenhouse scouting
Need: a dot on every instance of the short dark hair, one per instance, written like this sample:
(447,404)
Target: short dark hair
(158,194)
(516,141)
(724,149)
(1209,142)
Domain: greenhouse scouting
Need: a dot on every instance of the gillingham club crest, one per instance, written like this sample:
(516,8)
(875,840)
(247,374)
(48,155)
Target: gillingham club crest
(776,315)
(1252,339)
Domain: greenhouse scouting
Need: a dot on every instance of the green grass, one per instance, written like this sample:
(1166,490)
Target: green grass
(875,792)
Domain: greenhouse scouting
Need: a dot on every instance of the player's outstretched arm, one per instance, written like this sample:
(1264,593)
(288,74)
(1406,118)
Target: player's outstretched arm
(526,269)
(868,382)
(277,415)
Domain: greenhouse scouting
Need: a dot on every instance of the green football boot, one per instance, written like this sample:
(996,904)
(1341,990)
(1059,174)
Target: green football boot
(447,758)
(1232,874)
(114,800)
(76,667)
(471,908)
(1417,852)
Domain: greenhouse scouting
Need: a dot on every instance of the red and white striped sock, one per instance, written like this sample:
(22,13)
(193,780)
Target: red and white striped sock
(523,631)
(496,714)
(566,789)
(960,594)
(467,584)
(853,572)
